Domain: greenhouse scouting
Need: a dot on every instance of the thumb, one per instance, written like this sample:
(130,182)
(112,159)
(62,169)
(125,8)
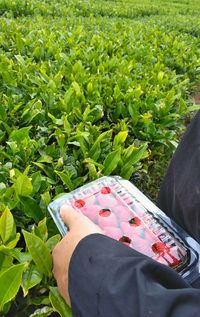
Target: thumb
(69,215)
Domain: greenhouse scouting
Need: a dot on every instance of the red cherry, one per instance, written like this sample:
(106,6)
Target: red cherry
(79,203)
(108,221)
(125,240)
(105,190)
(135,221)
(105,212)
(158,247)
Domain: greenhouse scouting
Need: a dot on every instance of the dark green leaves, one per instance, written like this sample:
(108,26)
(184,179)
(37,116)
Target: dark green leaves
(31,208)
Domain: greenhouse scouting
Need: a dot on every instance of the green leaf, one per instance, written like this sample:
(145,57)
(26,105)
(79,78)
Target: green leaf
(193,108)
(51,242)
(160,76)
(20,134)
(127,171)
(183,106)
(132,155)
(20,59)
(14,147)
(31,208)
(36,182)
(56,121)
(65,177)
(12,244)
(67,99)
(95,149)
(117,92)
(23,186)
(111,161)
(42,312)
(120,138)
(39,300)
(20,256)
(7,226)
(77,88)
(10,281)
(30,278)
(58,303)
(46,198)
(6,260)
(39,252)
(41,230)
(45,159)
(133,111)
(6,308)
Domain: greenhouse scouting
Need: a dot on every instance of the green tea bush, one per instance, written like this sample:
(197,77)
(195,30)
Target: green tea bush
(87,89)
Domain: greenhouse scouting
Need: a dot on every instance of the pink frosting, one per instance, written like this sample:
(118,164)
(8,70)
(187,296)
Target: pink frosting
(91,211)
(123,213)
(113,232)
(109,221)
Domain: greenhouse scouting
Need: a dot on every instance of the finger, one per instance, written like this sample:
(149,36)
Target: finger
(69,215)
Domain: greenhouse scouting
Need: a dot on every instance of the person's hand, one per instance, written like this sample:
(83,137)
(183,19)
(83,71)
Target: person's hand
(79,227)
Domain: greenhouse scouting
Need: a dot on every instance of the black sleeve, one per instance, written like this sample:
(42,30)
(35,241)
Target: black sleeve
(109,279)
(179,196)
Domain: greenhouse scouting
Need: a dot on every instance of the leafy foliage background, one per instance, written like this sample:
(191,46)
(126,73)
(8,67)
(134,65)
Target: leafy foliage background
(88,88)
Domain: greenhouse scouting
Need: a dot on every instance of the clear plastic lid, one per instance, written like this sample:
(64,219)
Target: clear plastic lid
(122,216)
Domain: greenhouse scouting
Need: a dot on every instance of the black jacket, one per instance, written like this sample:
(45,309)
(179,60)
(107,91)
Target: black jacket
(109,279)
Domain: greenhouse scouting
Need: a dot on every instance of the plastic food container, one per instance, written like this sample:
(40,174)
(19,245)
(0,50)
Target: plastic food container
(124,213)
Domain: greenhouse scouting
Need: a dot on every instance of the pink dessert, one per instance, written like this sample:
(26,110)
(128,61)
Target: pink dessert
(113,232)
(126,220)
(123,213)
(91,211)
(128,229)
(106,218)
(106,199)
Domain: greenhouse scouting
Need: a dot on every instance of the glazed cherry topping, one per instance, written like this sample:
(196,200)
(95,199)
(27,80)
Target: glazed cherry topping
(135,221)
(79,203)
(126,240)
(158,247)
(105,212)
(105,190)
